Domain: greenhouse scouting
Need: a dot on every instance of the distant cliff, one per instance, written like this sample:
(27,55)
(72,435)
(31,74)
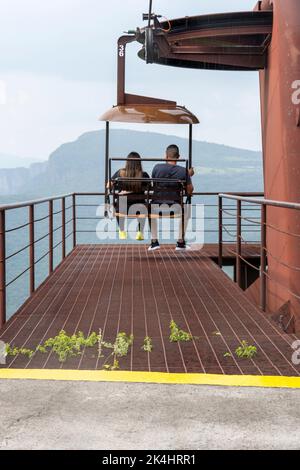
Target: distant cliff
(12,180)
(79,165)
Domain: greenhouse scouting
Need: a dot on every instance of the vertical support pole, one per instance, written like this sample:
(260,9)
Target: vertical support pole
(220,205)
(106,157)
(2,270)
(31,250)
(74,220)
(182,215)
(150,13)
(239,244)
(190,145)
(263,258)
(50,237)
(121,70)
(109,171)
(122,43)
(106,173)
(63,223)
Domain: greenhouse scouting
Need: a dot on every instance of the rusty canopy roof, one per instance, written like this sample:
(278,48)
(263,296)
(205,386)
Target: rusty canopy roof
(150,114)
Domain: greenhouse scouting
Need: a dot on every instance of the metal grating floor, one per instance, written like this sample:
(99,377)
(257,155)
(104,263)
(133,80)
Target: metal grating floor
(125,288)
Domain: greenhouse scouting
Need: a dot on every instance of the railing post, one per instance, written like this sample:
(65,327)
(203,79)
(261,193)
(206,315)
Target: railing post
(190,145)
(63,223)
(31,250)
(2,270)
(239,243)
(50,237)
(220,231)
(263,258)
(107,171)
(74,221)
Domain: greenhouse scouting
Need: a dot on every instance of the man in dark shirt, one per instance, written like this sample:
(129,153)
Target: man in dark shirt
(169,193)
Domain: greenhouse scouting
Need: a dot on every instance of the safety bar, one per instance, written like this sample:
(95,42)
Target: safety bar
(157,160)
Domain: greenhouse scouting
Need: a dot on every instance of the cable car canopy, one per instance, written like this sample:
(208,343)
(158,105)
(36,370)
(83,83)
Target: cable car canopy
(150,114)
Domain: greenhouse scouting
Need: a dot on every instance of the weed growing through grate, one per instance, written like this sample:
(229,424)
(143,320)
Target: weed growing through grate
(177,335)
(100,344)
(16,351)
(147,346)
(65,346)
(227,354)
(244,351)
(119,348)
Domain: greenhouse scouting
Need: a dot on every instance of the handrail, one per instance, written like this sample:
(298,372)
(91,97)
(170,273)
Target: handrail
(231,193)
(262,204)
(19,205)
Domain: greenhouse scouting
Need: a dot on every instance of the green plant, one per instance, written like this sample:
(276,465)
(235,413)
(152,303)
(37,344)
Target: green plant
(177,335)
(147,346)
(16,351)
(246,350)
(66,346)
(100,343)
(90,341)
(122,344)
(120,349)
(227,354)
(114,366)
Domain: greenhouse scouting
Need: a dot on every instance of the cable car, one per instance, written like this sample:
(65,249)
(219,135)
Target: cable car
(143,110)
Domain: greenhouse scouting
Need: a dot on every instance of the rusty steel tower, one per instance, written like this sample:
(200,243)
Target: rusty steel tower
(267,40)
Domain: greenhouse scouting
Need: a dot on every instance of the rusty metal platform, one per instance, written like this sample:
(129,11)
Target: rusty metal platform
(125,288)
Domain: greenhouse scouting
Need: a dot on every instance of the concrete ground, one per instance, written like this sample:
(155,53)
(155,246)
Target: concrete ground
(86,415)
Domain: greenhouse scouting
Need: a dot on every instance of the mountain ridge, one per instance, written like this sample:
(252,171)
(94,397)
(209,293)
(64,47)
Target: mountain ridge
(9,161)
(79,165)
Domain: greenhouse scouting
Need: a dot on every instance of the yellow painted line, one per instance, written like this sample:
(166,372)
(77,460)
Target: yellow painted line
(152,377)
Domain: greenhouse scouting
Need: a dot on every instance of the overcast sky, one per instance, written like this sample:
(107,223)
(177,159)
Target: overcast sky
(58,74)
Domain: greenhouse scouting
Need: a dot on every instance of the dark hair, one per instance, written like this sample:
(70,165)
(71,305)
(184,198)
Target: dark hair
(133,169)
(172,152)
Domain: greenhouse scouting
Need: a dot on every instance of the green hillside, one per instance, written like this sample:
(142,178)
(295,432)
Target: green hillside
(79,165)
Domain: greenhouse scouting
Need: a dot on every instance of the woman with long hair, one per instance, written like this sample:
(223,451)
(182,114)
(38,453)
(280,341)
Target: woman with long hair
(133,190)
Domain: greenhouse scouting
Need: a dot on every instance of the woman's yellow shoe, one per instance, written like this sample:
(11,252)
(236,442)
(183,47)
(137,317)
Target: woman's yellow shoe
(139,236)
(122,235)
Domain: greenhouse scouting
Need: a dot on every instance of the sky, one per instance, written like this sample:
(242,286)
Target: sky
(58,75)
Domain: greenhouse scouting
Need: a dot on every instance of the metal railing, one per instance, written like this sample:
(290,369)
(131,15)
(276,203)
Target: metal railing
(66,229)
(211,217)
(31,240)
(261,205)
